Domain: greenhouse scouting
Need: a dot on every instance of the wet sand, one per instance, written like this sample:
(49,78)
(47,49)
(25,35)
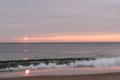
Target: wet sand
(105,76)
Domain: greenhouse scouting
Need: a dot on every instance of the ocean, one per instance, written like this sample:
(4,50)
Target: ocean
(21,56)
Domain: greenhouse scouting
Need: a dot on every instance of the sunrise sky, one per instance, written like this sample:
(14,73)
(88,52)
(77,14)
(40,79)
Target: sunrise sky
(60,20)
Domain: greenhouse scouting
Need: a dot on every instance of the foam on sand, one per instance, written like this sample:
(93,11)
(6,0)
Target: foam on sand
(60,72)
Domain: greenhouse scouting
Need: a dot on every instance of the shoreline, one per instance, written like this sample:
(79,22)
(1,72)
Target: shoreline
(60,72)
(103,76)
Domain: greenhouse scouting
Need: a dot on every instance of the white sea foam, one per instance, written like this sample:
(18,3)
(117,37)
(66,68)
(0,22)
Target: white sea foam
(101,62)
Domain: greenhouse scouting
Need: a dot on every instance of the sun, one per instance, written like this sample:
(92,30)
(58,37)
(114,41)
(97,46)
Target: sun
(25,38)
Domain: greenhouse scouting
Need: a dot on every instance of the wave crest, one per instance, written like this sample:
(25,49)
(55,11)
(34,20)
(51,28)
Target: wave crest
(61,63)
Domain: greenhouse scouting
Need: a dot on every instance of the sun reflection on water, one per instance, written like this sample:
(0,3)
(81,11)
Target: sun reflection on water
(26,59)
(27,73)
(26,50)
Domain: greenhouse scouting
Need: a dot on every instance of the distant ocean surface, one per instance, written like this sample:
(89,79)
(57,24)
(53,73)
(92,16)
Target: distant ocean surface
(19,56)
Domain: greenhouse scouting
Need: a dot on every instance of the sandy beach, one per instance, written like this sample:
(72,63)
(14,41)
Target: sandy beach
(109,76)
(109,73)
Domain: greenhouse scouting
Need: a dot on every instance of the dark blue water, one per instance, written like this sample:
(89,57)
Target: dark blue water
(19,51)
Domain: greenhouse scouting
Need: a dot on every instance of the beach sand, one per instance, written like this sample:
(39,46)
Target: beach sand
(105,76)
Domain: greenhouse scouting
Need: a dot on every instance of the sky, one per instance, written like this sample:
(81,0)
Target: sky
(60,20)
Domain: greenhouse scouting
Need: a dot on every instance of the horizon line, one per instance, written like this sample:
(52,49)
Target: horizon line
(66,42)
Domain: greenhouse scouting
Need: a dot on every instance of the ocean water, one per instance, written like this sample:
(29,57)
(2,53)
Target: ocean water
(21,56)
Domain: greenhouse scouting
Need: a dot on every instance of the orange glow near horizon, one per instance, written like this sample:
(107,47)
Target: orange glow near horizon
(82,38)
(70,38)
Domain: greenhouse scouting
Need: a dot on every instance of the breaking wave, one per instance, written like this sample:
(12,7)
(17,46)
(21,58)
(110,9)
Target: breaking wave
(16,65)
